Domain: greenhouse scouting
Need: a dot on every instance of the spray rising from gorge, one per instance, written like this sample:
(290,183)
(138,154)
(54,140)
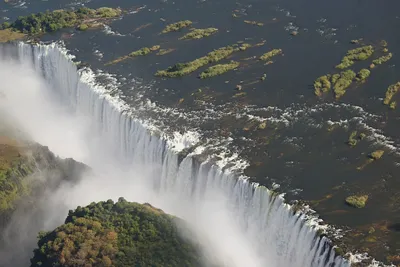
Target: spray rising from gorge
(237,223)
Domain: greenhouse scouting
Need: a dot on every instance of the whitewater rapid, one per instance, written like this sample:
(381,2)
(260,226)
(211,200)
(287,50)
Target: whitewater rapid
(270,232)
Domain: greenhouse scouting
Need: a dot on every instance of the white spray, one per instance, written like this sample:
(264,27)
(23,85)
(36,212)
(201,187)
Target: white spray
(237,224)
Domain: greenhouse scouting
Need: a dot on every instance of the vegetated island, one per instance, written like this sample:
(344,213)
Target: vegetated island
(377,154)
(199,33)
(341,81)
(353,138)
(182,69)
(177,26)
(390,92)
(357,54)
(270,54)
(219,69)
(115,234)
(382,59)
(82,18)
(141,52)
(357,201)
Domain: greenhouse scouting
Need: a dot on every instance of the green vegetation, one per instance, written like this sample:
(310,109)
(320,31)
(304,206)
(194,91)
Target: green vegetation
(335,77)
(270,54)
(219,69)
(339,251)
(244,46)
(144,51)
(343,82)
(83,27)
(115,234)
(352,139)
(357,201)
(376,154)
(322,84)
(393,105)
(199,33)
(141,52)
(164,51)
(252,22)
(177,26)
(357,54)
(14,167)
(390,92)
(181,69)
(52,21)
(362,75)
(382,59)
(10,35)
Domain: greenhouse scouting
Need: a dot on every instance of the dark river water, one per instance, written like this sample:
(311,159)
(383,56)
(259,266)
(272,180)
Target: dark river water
(302,151)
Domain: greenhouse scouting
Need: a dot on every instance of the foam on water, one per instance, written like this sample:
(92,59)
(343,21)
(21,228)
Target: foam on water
(278,237)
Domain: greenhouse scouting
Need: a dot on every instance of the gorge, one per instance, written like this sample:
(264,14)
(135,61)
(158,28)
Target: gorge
(237,222)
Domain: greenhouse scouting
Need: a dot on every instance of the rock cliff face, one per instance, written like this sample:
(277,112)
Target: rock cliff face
(29,172)
(26,169)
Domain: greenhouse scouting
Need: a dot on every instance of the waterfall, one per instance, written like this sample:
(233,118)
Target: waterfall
(281,238)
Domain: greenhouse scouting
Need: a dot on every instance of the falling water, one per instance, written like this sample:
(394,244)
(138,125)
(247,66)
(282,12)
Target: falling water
(279,237)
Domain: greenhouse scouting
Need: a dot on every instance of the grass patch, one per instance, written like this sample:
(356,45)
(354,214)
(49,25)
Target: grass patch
(270,54)
(357,54)
(182,69)
(83,27)
(199,33)
(322,84)
(382,59)
(10,35)
(144,51)
(177,26)
(357,201)
(363,74)
(14,167)
(219,69)
(342,82)
(162,52)
(244,46)
(390,92)
(141,52)
(352,139)
(376,154)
